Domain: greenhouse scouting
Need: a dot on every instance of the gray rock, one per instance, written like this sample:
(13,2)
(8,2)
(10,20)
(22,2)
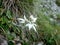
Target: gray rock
(3,41)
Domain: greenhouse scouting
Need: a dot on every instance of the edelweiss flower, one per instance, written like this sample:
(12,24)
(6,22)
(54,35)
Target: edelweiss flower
(31,25)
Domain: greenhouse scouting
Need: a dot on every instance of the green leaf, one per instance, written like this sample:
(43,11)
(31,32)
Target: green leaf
(4,20)
(8,14)
(10,43)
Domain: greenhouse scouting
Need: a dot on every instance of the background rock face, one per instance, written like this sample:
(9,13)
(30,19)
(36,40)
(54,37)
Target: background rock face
(49,8)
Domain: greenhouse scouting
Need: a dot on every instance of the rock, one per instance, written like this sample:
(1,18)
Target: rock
(40,43)
(18,44)
(3,41)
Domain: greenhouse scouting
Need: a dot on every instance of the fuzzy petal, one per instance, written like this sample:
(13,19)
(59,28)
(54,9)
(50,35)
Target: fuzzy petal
(21,20)
(26,18)
(34,28)
(33,18)
(29,26)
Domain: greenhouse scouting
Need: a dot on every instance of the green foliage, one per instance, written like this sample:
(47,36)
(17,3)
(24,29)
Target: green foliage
(8,14)
(58,2)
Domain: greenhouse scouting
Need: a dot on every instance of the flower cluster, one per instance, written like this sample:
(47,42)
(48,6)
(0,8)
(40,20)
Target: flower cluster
(30,23)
